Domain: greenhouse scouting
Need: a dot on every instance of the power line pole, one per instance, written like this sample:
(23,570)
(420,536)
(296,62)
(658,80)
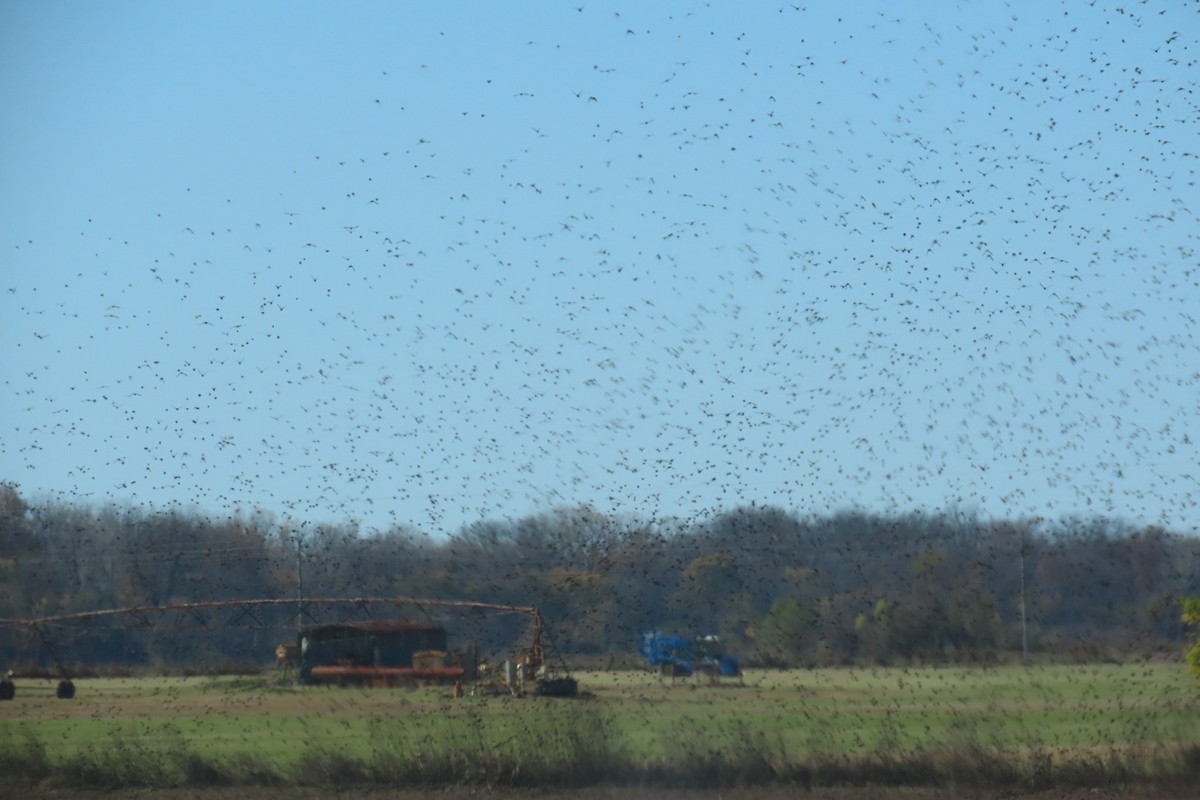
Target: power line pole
(1025,527)
(1024,621)
(299,586)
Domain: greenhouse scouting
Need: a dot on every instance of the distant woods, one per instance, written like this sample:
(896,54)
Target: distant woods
(779,588)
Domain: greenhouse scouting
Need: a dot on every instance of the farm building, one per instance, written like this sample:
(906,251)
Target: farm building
(383,653)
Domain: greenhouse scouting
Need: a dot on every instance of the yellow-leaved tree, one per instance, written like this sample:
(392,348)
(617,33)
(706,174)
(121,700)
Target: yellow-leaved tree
(1191,615)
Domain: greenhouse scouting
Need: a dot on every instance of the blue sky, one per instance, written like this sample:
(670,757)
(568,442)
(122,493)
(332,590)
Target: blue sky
(426,264)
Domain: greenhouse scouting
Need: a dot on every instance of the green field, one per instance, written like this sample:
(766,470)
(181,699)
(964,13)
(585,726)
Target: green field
(1039,726)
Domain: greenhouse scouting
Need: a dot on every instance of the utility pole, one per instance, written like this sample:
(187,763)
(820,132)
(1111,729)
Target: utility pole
(1024,625)
(1025,526)
(299,586)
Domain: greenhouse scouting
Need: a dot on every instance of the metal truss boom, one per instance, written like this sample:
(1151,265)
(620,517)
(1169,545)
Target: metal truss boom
(246,605)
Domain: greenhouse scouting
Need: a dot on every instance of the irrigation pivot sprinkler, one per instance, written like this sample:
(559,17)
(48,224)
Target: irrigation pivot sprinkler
(374,651)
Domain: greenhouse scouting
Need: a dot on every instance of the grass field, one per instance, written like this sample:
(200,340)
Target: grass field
(1046,726)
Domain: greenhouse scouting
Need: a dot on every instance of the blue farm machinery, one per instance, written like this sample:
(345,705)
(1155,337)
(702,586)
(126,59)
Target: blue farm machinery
(683,657)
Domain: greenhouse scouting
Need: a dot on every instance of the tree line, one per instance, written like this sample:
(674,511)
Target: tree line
(777,587)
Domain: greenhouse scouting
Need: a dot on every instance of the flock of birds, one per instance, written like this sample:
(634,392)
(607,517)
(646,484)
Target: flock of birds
(664,261)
